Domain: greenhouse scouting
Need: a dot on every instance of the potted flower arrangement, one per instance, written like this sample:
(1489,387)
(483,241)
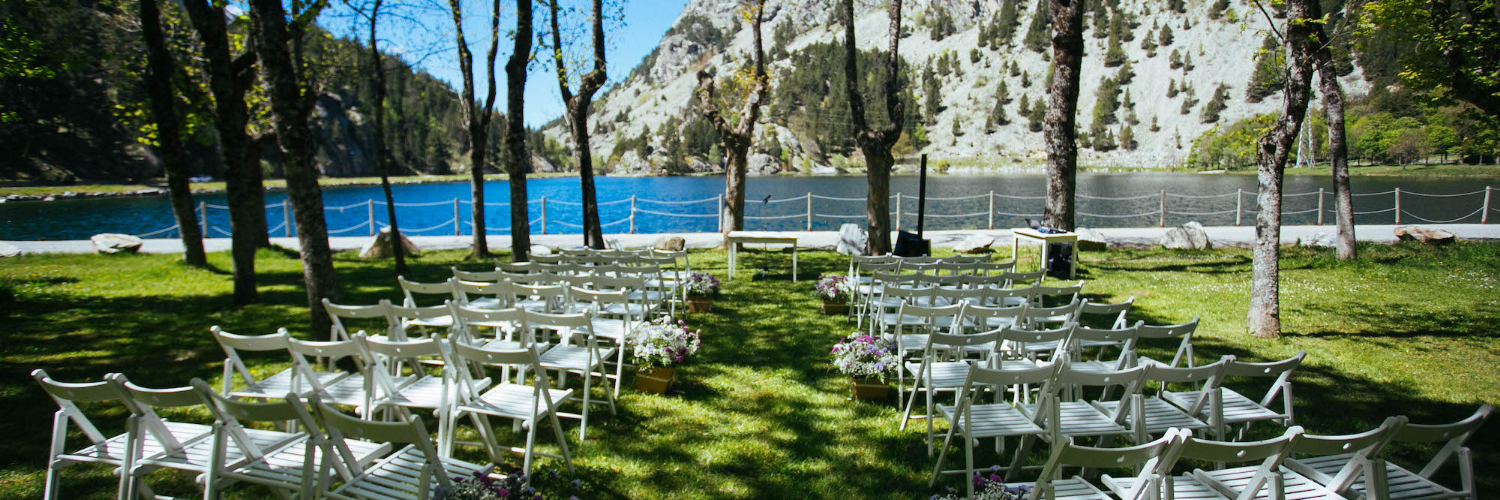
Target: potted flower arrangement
(835,290)
(866,360)
(515,485)
(701,290)
(657,348)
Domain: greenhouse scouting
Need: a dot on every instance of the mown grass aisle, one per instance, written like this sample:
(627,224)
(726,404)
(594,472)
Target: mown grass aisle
(761,413)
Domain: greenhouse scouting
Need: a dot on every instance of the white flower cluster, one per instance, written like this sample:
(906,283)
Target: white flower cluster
(862,356)
(662,343)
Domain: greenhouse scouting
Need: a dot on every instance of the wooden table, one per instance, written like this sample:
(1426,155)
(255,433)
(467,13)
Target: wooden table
(736,238)
(1046,239)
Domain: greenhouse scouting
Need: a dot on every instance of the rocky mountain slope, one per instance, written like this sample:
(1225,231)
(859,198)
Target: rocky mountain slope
(1219,41)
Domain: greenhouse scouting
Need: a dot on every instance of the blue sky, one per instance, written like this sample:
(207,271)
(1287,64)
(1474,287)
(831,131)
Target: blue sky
(429,25)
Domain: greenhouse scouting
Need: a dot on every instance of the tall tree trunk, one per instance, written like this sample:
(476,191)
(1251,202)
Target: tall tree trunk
(876,144)
(228,79)
(736,138)
(382,156)
(1264,317)
(517,160)
(290,108)
(1338,149)
(477,120)
(1061,126)
(159,70)
(578,115)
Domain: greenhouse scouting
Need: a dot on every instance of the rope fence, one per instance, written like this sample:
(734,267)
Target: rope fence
(950,211)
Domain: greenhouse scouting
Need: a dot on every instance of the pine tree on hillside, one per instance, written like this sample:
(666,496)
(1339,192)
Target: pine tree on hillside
(1172,88)
(1107,102)
(1175,59)
(1037,116)
(1114,55)
(1005,25)
(1127,139)
(998,114)
(1039,33)
(1164,37)
(932,98)
(942,65)
(1269,76)
(1126,73)
(1015,69)
(1101,19)
(1187,63)
(1154,126)
(1148,44)
(1216,11)
(974,55)
(1025,79)
(1002,93)
(1215,104)
(984,35)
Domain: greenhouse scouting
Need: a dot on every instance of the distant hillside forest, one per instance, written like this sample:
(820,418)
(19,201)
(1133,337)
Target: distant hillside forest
(73,103)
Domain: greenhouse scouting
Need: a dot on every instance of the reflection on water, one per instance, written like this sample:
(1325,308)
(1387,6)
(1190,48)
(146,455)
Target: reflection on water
(954,202)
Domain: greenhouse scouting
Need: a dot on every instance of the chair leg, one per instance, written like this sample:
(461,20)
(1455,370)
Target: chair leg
(561,443)
(531,445)
(584,422)
(1021,450)
(906,415)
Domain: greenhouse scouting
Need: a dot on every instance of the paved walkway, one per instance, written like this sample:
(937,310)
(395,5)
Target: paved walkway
(826,240)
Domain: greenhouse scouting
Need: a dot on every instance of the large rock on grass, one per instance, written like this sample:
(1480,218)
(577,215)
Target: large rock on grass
(110,243)
(9,250)
(1320,240)
(670,244)
(1090,239)
(1190,236)
(852,239)
(379,246)
(1435,237)
(975,243)
(542,250)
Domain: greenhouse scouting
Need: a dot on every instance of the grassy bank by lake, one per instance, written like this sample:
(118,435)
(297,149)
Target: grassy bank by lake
(761,413)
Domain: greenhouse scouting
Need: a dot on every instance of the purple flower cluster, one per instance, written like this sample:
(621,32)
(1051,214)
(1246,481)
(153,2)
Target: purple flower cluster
(834,286)
(991,487)
(861,355)
(661,343)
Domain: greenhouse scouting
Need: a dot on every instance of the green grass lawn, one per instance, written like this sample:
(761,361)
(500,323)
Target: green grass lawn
(761,413)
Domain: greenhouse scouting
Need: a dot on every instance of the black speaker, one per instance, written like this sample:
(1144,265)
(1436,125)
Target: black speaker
(1059,259)
(909,245)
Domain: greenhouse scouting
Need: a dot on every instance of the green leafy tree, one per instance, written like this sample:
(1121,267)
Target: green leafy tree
(1451,47)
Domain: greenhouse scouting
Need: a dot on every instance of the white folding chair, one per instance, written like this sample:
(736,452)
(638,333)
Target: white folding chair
(400,382)
(421,318)
(441,292)
(102,450)
(1401,483)
(482,295)
(614,329)
(1020,280)
(413,472)
(577,352)
(969,419)
(1066,294)
(1258,481)
(1152,460)
(1080,418)
(526,405)
(1151,415)
(942,368)
(289,467)
(1235,408)
(1182,333)
(1359,454)
(158,443)
(338,313)
(272,387)
(472,322)
(352,389)
(490,275)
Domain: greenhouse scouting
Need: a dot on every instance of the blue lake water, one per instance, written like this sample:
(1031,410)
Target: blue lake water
(954,202)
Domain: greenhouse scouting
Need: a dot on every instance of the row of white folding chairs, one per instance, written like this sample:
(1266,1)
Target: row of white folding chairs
(666,287)
(888,291)
(859,265)
(551,293)
(1293,465)
(332,455)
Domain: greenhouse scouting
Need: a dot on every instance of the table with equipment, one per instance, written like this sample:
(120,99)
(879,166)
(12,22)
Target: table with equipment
(736,238)
(1046,240)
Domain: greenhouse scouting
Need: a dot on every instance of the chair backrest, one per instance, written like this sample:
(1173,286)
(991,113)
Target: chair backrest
(1271,452)
(489,275)
(930,315)
(565,324)
(233,344)
(466,291)
(680,256)
(404,315)
(983,318)
(1009,297)
(1183,332)
(1453,436)
(1126,336)
(1036,316)
(935,280)
(527,358)
(549,259)
(468,320)
(1016,334)
(1016,280)
(143,402)
(1205,379)
(231,415)
(1152,461)
(1065,294)
(517,267)
(859,264)
(553,295)
(981,281)
(411,289)
(1281,370)
(338,313)
(303,351)
(918,265)
(341,427)
(955,344)
(951,268)
(1361,447)
(67,394)
(1111,315)
(995,268)
(952,294)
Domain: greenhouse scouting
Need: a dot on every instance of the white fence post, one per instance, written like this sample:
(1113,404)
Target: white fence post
(286,218)
(992,209)
(370,208)
(632,214)
(544,215)
(809,210)
(458,224)
(1163,221)
(1484,213)
(203,209)
(719,227)
(1320,206)
(1398,206)
(898,211)
(1239,205)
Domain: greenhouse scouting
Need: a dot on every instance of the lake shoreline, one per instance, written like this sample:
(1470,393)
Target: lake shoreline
(45,193)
